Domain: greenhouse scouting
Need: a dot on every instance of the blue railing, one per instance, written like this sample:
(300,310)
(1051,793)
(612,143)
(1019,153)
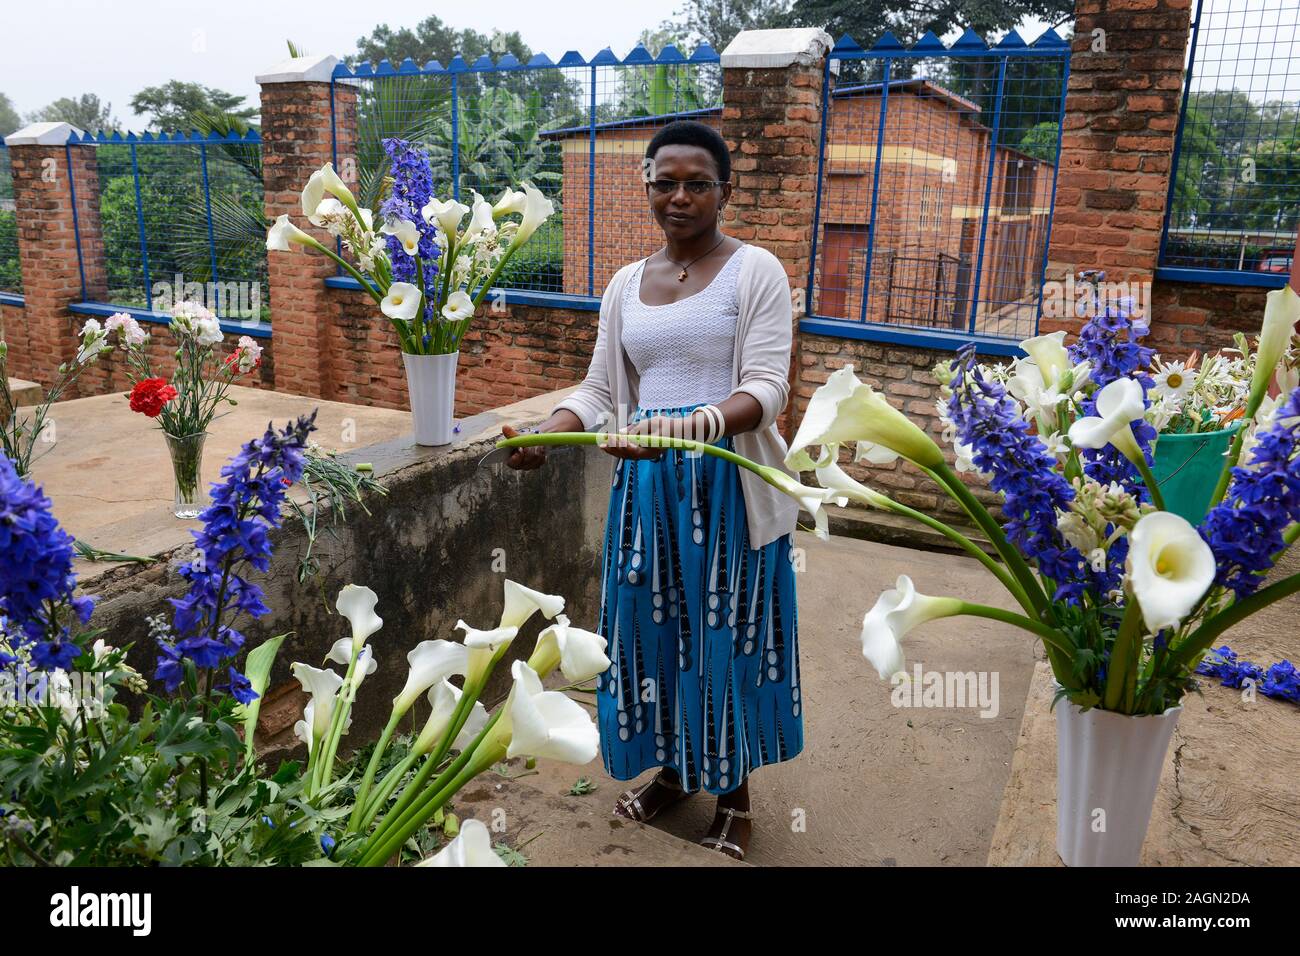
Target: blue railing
(576,128)
(11,277)
(180,216)
(1234,193)
(936,179)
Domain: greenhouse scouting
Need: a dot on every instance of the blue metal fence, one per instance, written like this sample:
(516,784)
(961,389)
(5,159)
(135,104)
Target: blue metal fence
(575,128)
(1235,190)
(936,181)
(11,278)
(180,215)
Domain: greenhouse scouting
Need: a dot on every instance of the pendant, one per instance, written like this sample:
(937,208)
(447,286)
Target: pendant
(681,276)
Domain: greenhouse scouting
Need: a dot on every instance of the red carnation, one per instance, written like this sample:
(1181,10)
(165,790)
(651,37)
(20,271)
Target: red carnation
(150,394)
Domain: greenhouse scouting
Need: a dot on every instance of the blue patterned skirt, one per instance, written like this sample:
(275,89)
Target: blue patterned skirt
(702,628)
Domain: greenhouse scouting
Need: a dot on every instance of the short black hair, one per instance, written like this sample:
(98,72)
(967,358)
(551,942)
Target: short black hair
(691,133)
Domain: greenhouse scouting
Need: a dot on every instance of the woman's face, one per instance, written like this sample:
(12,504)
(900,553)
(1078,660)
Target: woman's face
(682,214)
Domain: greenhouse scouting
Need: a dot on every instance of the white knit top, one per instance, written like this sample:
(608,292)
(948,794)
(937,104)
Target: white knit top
(683,350)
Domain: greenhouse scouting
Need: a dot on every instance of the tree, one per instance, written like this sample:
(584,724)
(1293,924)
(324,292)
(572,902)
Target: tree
(9,119)
(174,105)
(85,112)
(867,20)
(434,40)
(716,22)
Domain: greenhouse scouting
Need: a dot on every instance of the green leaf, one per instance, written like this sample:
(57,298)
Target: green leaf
(257,668)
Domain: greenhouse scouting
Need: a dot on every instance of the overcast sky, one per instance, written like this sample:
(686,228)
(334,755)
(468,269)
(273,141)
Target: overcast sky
(114,48)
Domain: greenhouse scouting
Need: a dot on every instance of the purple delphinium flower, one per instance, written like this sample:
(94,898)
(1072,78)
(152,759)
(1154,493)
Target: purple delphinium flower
(411,192)
(36,579)
(1023,472)
(1245,529)
(1110,343)
(234,532)
(1281,680)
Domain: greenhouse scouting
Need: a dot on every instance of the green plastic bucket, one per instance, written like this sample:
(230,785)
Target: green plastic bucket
(1187,468)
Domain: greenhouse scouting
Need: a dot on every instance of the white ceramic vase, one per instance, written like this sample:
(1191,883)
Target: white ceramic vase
(1107,770)
(431,384)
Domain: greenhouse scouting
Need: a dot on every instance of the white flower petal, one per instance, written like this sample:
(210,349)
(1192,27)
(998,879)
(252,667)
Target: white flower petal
(472,847)
(1170,568)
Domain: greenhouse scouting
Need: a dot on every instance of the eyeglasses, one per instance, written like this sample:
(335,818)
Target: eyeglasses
(698,187)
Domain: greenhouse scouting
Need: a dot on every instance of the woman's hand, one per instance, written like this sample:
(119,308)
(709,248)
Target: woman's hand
(684,427)
(526,458)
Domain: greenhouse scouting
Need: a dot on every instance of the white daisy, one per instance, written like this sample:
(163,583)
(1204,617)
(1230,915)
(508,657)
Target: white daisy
(1172,380)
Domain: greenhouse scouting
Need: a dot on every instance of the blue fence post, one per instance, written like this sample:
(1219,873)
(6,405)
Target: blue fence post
(875,183)
(817,198)
(1178,134)
(994,133)
(207,205)
(139,219)
(76,222)
(1056,172)
(455,139)
(591,193)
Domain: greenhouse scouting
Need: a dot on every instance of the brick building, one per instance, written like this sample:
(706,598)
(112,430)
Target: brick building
(929,205)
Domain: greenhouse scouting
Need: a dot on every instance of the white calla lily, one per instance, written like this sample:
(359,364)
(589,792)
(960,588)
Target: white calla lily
(322,181)
(405,232)
(482,646)
(447,214)
(510,201)
(357,603)
(443,698)
(283,232)
(402,301)
(896,612)
(537,209)
(472,847)
(323,685)
(481,224)
(521,603)
(431,662)
(580,654)
(1119,404)
(1281,313)
(459,306)
(543,723)
(812,500)
(341,653)
(846,409)
(873,454)
(1049,355)
(1170,568)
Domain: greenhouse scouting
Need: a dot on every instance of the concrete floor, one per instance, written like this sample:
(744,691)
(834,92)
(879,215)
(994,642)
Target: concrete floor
(875,784)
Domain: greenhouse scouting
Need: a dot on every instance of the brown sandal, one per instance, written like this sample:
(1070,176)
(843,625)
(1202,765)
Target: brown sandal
(629,801)
(720,842)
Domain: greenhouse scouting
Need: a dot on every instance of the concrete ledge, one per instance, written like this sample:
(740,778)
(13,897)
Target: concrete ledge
(25,392)
(435,548)
(42,134)
(769,49)
(300,69)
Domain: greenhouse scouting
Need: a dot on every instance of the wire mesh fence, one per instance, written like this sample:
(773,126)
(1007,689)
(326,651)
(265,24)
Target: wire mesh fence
(937,171)
(1235,193)
(11,278)
(180,216)
(576,129)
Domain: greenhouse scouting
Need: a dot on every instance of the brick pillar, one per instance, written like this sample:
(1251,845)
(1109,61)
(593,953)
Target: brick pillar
(771,120)
(45,173)
(1121,115)
(296,141)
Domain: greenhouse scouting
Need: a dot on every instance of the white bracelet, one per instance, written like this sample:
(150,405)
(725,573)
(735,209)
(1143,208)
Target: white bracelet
(717,423)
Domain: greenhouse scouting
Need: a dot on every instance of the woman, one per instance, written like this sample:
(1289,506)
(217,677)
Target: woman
(698,599)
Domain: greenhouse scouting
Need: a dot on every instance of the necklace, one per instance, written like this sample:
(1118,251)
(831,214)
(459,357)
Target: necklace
(681,276)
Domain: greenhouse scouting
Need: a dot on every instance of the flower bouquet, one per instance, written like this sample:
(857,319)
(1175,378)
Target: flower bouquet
(18,435)
(185,405)
(1126,596)
(426,268)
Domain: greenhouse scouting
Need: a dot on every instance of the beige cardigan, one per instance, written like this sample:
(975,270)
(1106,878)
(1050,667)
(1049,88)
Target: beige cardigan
(760,367)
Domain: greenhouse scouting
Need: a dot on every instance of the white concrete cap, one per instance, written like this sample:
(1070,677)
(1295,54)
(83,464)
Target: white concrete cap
(300,69)
(42,134)
(777,48)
